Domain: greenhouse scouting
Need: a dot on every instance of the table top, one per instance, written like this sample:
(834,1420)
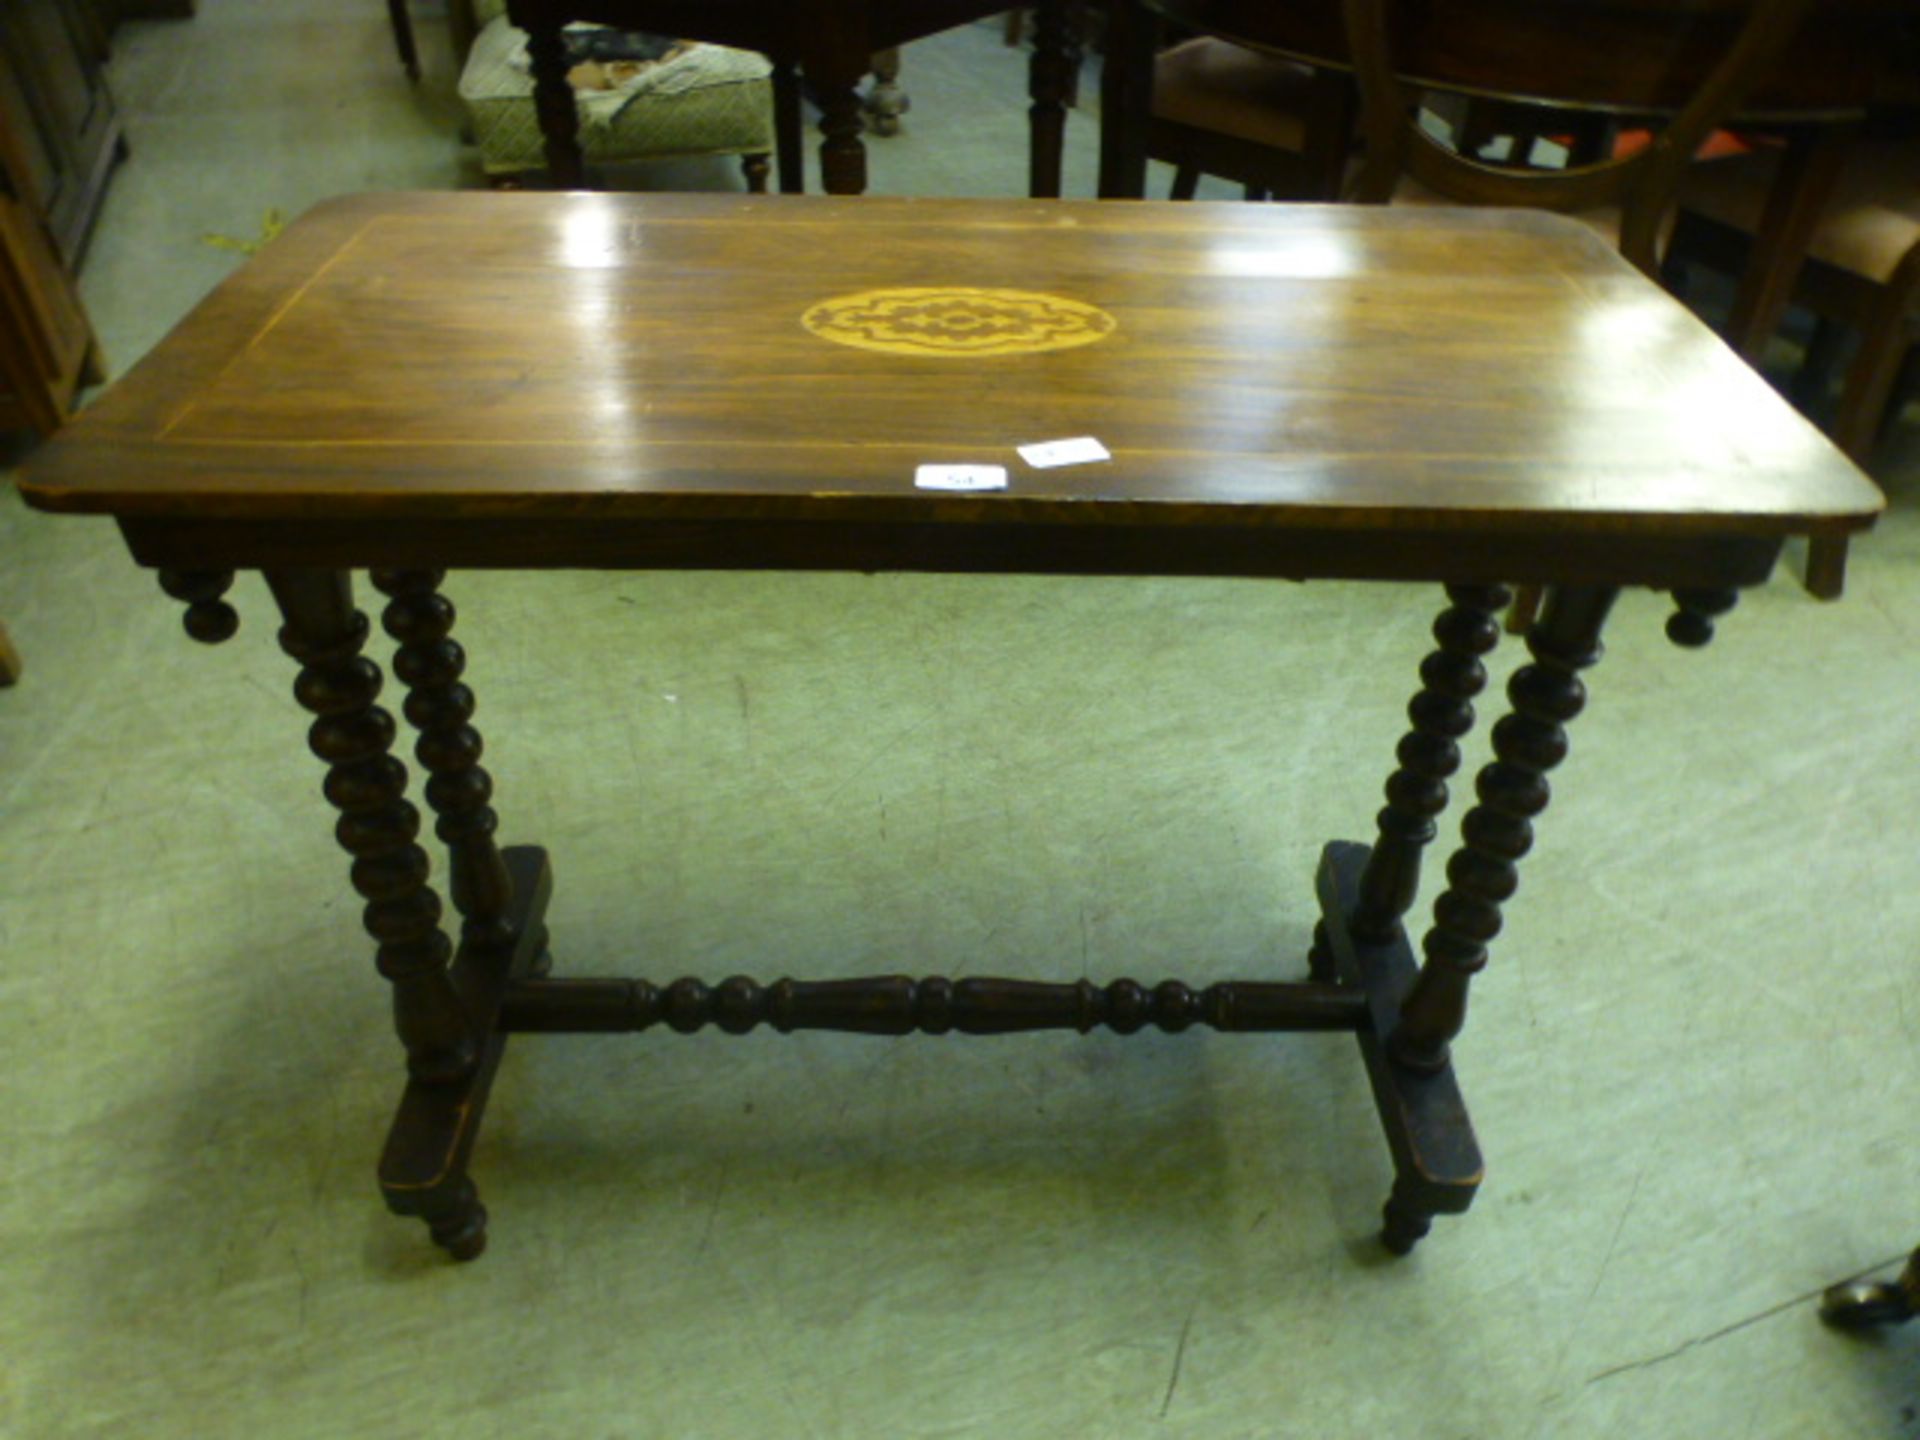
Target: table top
(586,359)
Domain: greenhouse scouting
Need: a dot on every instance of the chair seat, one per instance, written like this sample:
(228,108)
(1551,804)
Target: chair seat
(1869,225)
(723,106)
(1215,85)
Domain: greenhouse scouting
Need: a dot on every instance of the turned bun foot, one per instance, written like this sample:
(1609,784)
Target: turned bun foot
(1405,1226)
(459,1224)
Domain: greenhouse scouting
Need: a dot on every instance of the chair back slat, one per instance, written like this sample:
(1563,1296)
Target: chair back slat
(1643,184)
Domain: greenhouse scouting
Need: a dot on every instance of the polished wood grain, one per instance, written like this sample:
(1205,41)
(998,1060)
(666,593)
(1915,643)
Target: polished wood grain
(1313,388)
(410,382)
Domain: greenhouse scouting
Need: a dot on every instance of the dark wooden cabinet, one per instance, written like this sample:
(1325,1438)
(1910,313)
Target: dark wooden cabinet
(59,139)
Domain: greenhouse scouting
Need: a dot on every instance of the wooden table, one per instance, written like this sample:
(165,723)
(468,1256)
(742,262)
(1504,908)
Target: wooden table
(827,45)
(409,383)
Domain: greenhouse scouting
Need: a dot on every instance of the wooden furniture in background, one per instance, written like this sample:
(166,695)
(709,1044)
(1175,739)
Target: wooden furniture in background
(402,24)
(1297,392)
(118,10)
(1281,129)
(728,111)
(1860,239)
(828,44)
(1681,66)
(10,662)
(59,139)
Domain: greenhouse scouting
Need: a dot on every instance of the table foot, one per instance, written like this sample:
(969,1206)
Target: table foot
(1404,1223)
(423,1170)
(1436,1160)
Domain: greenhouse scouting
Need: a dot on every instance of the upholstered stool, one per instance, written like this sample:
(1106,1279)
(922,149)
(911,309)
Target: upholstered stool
(709,101)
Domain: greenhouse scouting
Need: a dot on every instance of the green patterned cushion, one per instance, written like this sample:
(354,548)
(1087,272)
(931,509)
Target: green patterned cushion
(727,111)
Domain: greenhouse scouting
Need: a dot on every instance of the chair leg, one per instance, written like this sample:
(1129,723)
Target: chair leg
(1826,577)
(758,168)
(1186,179)
(10,662)
(1906,387)
(1883,346)
(1525,608)
(1814,378)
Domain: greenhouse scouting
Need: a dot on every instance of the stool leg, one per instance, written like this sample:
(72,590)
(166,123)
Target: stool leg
(1498,831)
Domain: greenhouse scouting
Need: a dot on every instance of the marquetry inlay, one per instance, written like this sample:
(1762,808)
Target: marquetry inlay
(957,320)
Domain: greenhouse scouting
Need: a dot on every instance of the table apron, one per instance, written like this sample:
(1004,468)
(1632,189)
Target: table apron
(1260,552)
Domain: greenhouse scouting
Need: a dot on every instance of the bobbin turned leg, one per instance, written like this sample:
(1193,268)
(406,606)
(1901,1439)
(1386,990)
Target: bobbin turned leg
(445,1014)
(430,663)
(1496,833)
(501,899)
(1441,715)
(1364,897)
(378,826)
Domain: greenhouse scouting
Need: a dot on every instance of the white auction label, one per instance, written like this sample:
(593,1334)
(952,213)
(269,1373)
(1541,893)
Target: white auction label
(1082,450)
(961,477)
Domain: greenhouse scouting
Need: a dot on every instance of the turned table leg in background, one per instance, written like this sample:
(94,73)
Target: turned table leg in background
(1053,78)
(835,82)
(789,127)
(553,103)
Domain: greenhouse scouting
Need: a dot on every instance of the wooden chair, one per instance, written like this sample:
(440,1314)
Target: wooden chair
(1678,67)
(1631,196)
(1281,129)
(1861,272)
